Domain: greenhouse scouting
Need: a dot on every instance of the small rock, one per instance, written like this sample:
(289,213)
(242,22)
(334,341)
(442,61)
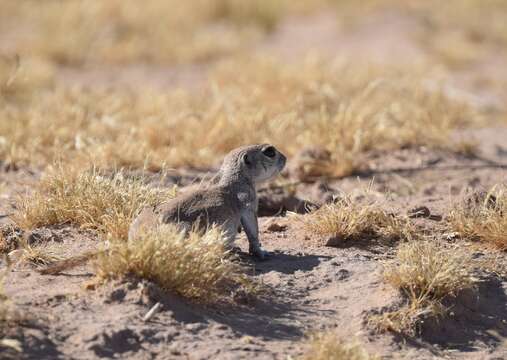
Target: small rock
(277,201)
(501,150)
(165,336)
(477,255)
(433,161)
(429,190)
(276,227)
(42,235)
(9,238)
(343,274)
(117,295)
(247,339)
(174,349)
(435,217)
(221,327)
(419,212)
(451,236)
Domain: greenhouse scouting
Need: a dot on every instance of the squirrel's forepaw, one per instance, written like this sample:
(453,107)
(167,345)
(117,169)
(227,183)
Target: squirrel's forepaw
(259,253)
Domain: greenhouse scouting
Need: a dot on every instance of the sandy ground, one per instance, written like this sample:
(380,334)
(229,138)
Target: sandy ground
(312,287)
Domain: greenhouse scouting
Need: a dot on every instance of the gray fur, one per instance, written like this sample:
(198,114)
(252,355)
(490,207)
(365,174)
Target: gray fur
(229,201)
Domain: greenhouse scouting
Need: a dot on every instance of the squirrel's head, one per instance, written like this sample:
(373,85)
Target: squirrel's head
(255,162)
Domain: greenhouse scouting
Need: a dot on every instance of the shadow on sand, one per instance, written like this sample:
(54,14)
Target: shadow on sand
(477,316)
(283,262)
(270,315)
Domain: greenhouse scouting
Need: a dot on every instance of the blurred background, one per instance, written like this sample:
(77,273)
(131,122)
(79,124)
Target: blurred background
(170,83)
(75,33)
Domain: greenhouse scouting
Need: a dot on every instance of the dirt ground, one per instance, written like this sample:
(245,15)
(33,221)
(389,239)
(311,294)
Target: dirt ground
(312,287)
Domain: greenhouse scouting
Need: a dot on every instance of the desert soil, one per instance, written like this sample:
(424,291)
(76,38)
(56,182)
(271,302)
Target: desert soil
(312,287)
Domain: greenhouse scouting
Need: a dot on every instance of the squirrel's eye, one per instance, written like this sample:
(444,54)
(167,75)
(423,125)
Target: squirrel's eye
(269,151)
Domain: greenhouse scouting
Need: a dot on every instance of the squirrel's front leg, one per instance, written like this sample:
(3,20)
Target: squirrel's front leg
(251,227)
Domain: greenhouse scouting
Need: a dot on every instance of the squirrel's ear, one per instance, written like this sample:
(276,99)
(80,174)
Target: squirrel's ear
(246,160)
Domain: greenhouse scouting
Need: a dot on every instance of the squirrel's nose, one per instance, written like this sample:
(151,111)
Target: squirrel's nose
(282,161)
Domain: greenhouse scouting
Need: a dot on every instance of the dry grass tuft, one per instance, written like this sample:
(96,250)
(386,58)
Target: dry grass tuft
(88,200)
(482,219)
(196,266)
(351,220)
(39,255)
(328,346)
(426,272)
(424,269)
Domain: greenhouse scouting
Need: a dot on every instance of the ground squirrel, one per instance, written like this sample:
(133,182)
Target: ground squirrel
(229,201)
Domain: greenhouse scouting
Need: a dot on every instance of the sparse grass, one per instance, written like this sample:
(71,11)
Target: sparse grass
(425,269)
(87,199)
(345,109)
(351,220)
(196,266)
(39,255)
(426,272)
(328,346)
(482,219)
